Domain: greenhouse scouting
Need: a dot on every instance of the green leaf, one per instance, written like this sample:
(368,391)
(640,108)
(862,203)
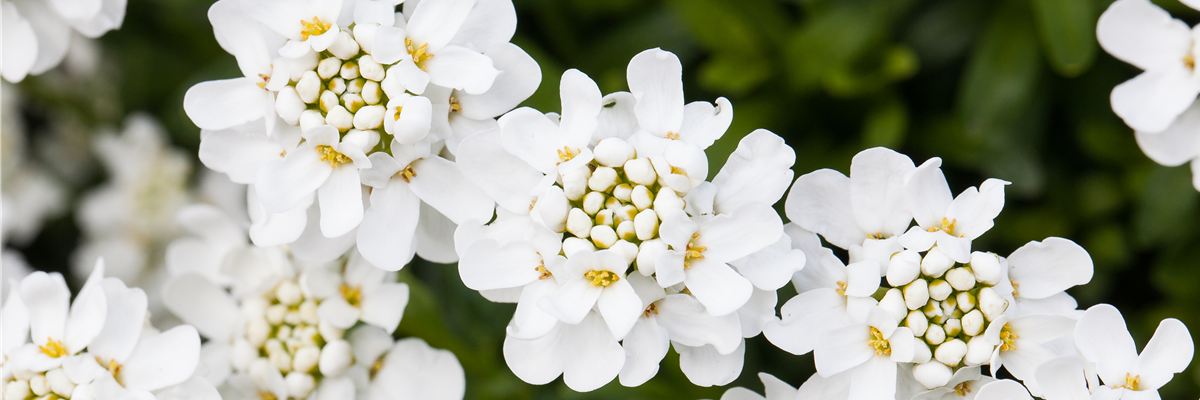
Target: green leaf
(886,125)
(1067,29)
(1166,212)
(734,73)
(1002,75)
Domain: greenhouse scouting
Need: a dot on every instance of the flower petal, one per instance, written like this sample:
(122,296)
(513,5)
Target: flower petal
(645,346)
(758,171)
(221,104)
(442,185)
(717,286)
(414,370)
(519,77)
(162,360)
(689,323)
(593,356)
(503,176)
(580,108)
(1048,267)
(1169,352)
(738,234)
(1140,33)
(843,348)
(877,177)
(703,124)
(123,320)
(656,81)
(927,194)
(238,153)
(436,22)
(537,361)
(386,234)
(341,202)
(878,379)
(491,23)
(47,298)
(620,306)
(20,45)
(1151,101)
(1176,145)
(704,366)
(820,202)
(1102,338)
(458,67)
(384,306)
(281,184)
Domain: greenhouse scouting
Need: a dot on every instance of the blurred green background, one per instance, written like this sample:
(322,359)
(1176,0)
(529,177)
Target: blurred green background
(1013,89)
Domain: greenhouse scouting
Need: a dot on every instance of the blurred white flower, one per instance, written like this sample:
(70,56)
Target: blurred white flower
(947,221)
(774,389)
(1102,338)
(1178,144)
(37,32)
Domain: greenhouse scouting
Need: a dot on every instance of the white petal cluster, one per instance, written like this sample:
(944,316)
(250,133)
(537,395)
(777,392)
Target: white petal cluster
(281,328)
(919,310)
(611,242)
(97,346)
(349,114)
(1160,103)
(38,32)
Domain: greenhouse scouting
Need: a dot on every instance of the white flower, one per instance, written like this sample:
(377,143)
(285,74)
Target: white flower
(59,328)
(363,294)
(37,33)
(426,50)
(655,79)
(1103,339)
(966,384)
(586,355)
(1039,273)
(596,279)
(323,163)
(312,24)
(1020,344)
(1140,33)
(871,349)
(413,370)
(863,213)
(948,221)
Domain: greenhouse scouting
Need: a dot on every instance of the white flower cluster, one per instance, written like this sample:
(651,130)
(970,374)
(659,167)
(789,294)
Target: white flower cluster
(916,314)
(1160,103)
(38,32)
(348,114)
(279,328)
(611,242)
(99,346)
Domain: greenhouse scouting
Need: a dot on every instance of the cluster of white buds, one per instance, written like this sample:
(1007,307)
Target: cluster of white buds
(26,384)
(614,202)
(948,307)
(283,324)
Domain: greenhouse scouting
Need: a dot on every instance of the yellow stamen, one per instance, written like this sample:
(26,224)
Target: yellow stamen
(962,389)
(693,252)
(53,348)
(566,154)
(602,278)
(881,345)
(267,396)
(1015,286)
(265,78)
(672,136)
(1007,337)
(1131,382)
(353,295)
(314,28)
(419,54)
(113,368)
(545,273)
(396,116)
(946,226)
(876,235)
(1189,61)
(652,309)
(841,289)
(454,105)
(407,173)
(331,156)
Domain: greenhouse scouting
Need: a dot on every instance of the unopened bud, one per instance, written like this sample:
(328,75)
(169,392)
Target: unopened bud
(932,309)
(38,385)
(935,263)
(903,268)
(961,279)
(917,322)
(951,352)
(371,93)
(276,313)
(972,323)
(329,67)
(949,307)
(966,301)
(986,267)
(327,330)
(284,332)
(893,303)
(640,171)
(603,236)
(979,351)
(646,224)
(602,179)
(368,68)
(613,152)
(309,87)
(17,389)
(553,207)
(623,192)
(921,352)
(353,102)
(59,383)
(575,183)
(579,223)
(329,100)
(299,384)
(311,119)
(932,374)
(625,231)
(344,47)
(349,70)
(369,117)
(626,249)
(916,294)
(939,289)
(935,334)
(667,200)
(340,118)
(257,331)
(641,197)
(336,356)
(306,358)
(648,253)
(953,327)
(356,85)
(593,202)
(991,304)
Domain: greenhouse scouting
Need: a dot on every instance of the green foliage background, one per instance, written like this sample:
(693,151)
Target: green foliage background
(1013,89)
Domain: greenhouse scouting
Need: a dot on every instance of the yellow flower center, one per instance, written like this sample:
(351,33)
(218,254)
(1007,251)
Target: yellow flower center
(419,54)
(651,309)
(881,345)
(672,136)
(962,389)
(876,236)
(693,252)
(566,154)
(316,27)
(454,105)
(602,278)
(545,273)
(53,348)
(1189,61)
(946,226)
(1131,382)
(267,396)
(112,367)
(841,289)
(407,173)
(331,156)
(353,295)
(1015,285)
(1007,337)
(396,115)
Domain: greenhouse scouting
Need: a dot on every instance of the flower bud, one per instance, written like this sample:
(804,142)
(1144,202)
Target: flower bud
(986,267)
(602,179)
(612,203)
(626,249)
(916,294)
(288,105)
(593,202)
(368,68)
(17,389)
(935,334)
(605,217)
(257,331)
(932,309)
(575,183)
(364,34)
(640,171)
(921,352)
(935,263)
(991,304)
(311,119)
(953,327)
(281,359)
(972,323)
(356,85)
(667,200)
(309,87)
(903,268)
(553,207)
(939,290)
(916,322)
(573,245)
(335,357)
(276,313)
(951,352)
(344,47)
(242,354)
(893,302)
(623,192)
(337,86)
(306,359)
(579,223)
(641,197)
(966,301)
(613,152)
(391,84)
(327,330)
(369,117)
(979,351)
(38,385)
(329,67)
(284,332)
(932,374)
(961,279)
(340,118)
(603,236)
(299,384)
(371,93)
(59,383)
(353,102)
(349,71)
(625,231)
(328,100)
(949,307)
(648,253)
(646,224)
